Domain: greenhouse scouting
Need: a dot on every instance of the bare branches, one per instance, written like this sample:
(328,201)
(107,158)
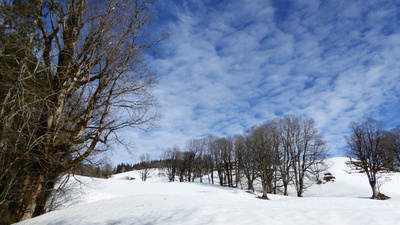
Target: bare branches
(77,75)
(280,152)
(366,146)
(145,161)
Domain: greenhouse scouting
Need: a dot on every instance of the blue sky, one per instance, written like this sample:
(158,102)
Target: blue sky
(229,65)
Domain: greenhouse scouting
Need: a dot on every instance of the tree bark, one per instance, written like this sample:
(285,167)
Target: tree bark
(265,190)
(375,192)
(33,197)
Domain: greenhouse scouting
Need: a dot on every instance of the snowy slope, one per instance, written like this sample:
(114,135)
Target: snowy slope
(121,201)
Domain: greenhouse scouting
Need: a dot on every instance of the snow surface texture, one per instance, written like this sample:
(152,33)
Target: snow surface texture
(156,201)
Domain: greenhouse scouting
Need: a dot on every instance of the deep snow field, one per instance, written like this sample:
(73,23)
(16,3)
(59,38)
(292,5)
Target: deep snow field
(156,201)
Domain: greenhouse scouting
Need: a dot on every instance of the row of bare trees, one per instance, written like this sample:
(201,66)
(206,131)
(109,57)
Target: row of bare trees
(280,152)
(288,150)
(187,165)
(72,74)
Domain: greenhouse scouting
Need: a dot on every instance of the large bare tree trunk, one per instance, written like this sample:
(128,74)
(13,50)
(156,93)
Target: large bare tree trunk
(33,198)
(375,192)
(264,185)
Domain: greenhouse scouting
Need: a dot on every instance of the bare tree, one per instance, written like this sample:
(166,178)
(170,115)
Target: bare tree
(83,80)
(246,159)
(365,146)
(301,151)
(226,147)
(391,144)
(396,145)
(145,162)
(286,132)
(184,166)
(240,149)
(197,148)
(209,157)
(215,151)
(189,159)
(222,152)
(262,145)
(310,149)
(171,156)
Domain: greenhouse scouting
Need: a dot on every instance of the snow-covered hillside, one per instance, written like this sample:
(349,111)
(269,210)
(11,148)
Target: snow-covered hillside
(122,201)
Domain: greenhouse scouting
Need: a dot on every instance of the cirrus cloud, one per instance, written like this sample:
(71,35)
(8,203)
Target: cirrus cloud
(231,64)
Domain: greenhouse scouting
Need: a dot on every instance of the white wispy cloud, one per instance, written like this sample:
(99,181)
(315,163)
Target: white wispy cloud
(231,64)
